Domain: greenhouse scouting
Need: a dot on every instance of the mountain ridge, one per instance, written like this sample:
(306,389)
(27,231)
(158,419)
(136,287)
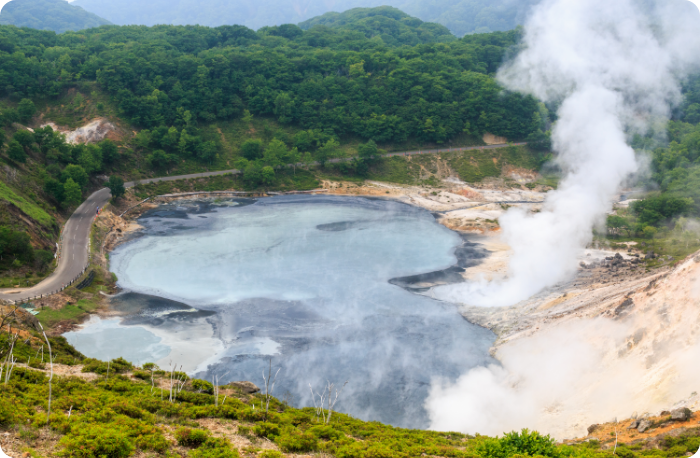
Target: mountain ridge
(56,15)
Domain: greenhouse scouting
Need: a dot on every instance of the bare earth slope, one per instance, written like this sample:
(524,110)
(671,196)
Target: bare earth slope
(581,355)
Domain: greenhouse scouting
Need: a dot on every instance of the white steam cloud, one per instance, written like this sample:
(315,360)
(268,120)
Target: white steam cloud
(613,67)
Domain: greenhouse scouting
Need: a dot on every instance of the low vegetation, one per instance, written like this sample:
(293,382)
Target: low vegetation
(118,410)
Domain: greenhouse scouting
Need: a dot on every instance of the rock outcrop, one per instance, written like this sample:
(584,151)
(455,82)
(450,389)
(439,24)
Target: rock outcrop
(246,387)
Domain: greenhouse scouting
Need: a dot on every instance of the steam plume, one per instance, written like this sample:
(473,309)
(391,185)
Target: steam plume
(613,67)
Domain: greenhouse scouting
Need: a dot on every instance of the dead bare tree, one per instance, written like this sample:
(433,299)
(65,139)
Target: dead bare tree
(172,373)
(153,383)
(216,392)
(8,318)
(176,384)
(269,388)
(48,344)
(327,399)
(8,364)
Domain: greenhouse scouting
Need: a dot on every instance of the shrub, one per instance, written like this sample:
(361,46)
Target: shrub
(28,375)
(270,454)
(116,366)
(94,440)
(296,441)
(6,414)
(515,444)
(189,437)
(214,448)
(325,432)
(143,375)
(154,442)
(269,430)
(677,450)
(59,422)
(202,386)
(130,410)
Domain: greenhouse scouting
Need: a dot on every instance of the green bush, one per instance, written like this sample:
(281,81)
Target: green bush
(130,410)
(523,443)
(154,442)
(7,416)
(265,429)
(214,448)
(202,386)
(28,375)
(36,364)
(325,432)
(143,375)
(189,437)
(90,441)
(270,454)
(296,441)
(116,366)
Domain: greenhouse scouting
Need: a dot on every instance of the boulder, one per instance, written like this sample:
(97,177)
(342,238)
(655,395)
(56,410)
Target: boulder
(246,387)
(634,424)
(592,428)
(643,425)
(682,414)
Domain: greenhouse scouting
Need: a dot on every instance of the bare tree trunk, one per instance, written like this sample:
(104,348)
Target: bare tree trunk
(48,416)
(268,388)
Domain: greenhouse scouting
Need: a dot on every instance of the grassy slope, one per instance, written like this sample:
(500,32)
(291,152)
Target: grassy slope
(120,412)
(31,209)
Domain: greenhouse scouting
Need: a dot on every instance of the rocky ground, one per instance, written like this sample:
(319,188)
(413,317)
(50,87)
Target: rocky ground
(647,431)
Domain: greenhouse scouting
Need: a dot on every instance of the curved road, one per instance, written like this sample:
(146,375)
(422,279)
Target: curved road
(76,233)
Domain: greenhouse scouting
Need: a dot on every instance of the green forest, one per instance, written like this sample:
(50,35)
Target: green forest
(336,80)
(56,15)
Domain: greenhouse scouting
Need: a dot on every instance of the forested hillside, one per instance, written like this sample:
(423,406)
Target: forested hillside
(460,16)
(56,15)
(393,26)
(336,80)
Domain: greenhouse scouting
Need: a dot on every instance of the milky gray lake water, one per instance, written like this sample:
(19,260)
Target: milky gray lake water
(222,287)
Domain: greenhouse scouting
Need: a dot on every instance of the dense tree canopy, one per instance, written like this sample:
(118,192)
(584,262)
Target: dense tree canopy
(334,80)
(56,15)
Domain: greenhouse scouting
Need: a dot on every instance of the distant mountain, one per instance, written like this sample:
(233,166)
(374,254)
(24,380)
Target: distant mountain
(393,26)
(57,15)
(460,16)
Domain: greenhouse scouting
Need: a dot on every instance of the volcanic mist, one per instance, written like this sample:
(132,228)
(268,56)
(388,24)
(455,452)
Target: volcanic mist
(613,69)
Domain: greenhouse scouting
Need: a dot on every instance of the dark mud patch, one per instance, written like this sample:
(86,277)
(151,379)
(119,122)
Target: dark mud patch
(469,254)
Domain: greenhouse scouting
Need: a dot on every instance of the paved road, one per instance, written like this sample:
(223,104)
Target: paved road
(74,250)
(76,233)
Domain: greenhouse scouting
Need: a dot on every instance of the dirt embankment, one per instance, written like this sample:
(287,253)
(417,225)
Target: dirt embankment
(647,431)
(95,131)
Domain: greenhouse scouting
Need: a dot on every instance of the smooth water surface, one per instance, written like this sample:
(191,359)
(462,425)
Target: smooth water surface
(304,281)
